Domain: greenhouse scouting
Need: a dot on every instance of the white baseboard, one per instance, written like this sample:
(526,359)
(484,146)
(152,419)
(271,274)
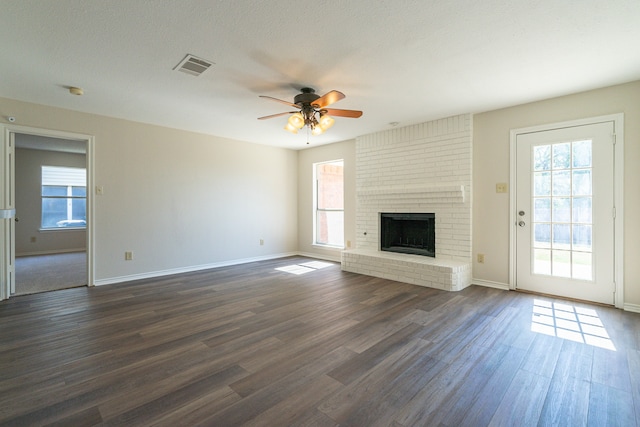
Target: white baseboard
(51,252)
(160,273)
(324,257)
(634,308)
(490,284)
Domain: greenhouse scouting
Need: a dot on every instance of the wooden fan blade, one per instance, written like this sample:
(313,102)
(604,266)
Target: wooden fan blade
(354,114)
(280,100)
(276,115)
(328,99)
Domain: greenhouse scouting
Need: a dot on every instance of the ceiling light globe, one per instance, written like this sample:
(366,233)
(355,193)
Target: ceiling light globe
(296,120)
(326,122)
(317,130)
(289,127)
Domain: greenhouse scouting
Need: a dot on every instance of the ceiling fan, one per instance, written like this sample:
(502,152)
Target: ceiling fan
(311,111)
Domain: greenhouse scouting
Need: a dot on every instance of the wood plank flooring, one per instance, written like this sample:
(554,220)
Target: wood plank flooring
(251,345)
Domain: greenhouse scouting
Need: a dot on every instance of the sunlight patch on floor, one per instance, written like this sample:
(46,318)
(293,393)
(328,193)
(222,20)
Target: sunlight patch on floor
(304,268)
(568,322)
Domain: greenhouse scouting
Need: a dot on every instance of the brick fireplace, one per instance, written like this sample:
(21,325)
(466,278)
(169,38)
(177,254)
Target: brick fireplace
(416,169)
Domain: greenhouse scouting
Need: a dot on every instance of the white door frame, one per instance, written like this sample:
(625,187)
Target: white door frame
(618,123)
(6,130)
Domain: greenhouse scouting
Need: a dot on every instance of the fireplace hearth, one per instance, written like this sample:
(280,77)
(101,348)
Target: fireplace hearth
(408,233)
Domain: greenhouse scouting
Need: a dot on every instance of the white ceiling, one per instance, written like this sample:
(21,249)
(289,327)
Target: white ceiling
(405,61)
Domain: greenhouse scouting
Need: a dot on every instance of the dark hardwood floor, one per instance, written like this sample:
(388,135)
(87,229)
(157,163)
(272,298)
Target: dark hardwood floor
(252,345)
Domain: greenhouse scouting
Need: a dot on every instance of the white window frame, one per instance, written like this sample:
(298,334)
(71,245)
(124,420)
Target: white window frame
(316,210)
(48,177)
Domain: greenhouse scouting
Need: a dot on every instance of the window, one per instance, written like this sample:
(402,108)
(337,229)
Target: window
(329,203)
(64,197)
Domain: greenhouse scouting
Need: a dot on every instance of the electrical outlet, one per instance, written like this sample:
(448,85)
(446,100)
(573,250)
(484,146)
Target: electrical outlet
(480,258)
(33,239)
(261,242)
(501,187)
(128,256)
(348,243)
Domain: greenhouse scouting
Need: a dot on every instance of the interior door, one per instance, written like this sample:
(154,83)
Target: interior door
(7,217)
(565,212)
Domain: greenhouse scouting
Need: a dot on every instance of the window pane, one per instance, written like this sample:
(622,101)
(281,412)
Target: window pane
(562,155)
(79,209)
(330,228)
(542,184)
(542,235)
(561,183)
(582,209)
(582,238)
(561,236)
(53,210)
(582,182)
(330,185)
(542,157)
(582,266)
(561,265)
(54,190)
(542,261)
(561,209)
(542,210)
(79,191)
(582,154)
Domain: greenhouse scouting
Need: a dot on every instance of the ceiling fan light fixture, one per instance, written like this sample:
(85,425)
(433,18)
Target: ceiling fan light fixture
(296,120)
(326,121)
(291,128)
(311,111)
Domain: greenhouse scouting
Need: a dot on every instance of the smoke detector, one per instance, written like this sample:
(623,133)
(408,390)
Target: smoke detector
(193,65)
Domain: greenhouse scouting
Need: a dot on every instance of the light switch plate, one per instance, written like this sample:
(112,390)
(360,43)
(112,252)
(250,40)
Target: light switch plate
(501,187)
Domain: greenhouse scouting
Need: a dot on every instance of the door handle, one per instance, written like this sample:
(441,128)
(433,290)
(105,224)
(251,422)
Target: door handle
(521,224)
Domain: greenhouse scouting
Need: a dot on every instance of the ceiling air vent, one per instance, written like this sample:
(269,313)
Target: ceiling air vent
(193,65)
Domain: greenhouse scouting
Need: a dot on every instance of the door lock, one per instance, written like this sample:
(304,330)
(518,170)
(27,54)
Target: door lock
(521,213)
(521,224)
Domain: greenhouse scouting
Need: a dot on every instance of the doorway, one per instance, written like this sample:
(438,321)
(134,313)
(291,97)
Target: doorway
(41,251)
(564,225)
(50,200)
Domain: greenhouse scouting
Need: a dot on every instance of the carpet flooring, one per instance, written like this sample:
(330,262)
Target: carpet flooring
(43,273)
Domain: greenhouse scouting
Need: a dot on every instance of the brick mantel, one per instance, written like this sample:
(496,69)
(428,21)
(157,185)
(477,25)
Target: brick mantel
(415,194)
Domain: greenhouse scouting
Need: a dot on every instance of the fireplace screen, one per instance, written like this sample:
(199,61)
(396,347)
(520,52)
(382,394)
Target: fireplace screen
(408,233)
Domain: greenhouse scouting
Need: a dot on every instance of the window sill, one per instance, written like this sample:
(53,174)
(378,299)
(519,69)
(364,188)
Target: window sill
(56,230)
(320,245)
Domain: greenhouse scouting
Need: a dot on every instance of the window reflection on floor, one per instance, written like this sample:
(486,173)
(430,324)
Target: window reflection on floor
(304,268)
(568,322)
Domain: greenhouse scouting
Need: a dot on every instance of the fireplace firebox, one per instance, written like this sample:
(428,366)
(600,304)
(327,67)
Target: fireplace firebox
(408,233)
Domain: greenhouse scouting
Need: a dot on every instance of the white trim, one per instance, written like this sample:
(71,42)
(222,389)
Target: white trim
(52,252)
(152,274)
(618,123)
(618,185)
(322,256)
(89,140)
(634,308)
(490,284)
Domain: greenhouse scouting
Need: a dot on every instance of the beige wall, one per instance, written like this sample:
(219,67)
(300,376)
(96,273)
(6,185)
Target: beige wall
(491,166)
(178,200)
(306,158)
(29,204)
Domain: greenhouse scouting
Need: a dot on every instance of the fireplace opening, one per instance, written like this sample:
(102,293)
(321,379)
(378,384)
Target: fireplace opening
(408,233)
